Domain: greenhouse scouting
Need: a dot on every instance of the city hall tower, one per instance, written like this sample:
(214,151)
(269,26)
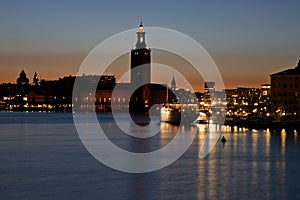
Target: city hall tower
(140,56)
(140,74)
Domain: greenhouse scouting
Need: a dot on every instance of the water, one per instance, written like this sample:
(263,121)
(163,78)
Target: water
(41,157)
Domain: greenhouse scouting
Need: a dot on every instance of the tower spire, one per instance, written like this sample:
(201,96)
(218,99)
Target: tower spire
(140,44)
(173,84)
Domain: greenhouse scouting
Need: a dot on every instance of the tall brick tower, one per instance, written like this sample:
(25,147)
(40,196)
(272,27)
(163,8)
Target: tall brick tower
(140,74)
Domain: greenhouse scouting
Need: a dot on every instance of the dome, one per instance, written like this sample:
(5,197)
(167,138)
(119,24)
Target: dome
(22,80)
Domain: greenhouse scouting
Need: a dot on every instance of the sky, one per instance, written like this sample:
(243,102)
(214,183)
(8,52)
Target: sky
(248,40)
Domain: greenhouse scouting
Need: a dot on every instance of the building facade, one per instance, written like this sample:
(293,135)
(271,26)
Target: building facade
(285,91)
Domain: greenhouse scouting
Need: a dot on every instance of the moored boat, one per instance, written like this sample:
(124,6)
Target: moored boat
(203,118)
(177,113)
(170,113)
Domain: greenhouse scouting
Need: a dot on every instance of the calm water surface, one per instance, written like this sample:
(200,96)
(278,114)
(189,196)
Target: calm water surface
(42,157)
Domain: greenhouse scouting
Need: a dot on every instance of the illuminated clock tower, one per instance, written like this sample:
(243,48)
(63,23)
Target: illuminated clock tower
(140,73)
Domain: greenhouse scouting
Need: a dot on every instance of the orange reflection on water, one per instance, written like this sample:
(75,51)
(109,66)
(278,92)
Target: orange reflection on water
(246,160)
(283,141)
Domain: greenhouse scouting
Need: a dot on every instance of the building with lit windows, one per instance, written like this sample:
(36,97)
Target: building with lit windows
(285,91)
(209,91)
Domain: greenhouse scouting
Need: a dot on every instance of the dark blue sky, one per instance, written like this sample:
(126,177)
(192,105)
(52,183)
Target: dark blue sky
(247,39)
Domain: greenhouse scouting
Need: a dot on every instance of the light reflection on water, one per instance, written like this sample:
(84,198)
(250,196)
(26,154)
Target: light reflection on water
(48,160)
(251,164)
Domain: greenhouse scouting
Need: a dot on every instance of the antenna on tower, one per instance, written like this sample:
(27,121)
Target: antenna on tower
(141,19)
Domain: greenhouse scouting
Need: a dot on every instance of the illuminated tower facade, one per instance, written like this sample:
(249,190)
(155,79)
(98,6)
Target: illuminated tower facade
(140,74)
(140,56)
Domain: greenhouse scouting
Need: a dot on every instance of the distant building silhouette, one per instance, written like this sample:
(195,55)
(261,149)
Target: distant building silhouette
(285,87)
(22,80)
(35,80)
(173,84)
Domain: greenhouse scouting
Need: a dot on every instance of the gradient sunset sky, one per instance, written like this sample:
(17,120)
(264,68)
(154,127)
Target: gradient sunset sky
(248,40)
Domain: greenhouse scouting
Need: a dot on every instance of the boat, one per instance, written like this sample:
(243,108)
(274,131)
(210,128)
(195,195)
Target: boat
(170,113)
(203,118)
(176,113)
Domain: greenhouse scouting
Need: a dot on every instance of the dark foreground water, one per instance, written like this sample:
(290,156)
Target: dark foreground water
(42,157)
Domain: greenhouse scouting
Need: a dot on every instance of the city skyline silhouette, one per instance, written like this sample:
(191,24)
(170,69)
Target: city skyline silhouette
(248,41)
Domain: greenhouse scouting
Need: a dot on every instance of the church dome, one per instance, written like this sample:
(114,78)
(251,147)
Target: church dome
(22,80)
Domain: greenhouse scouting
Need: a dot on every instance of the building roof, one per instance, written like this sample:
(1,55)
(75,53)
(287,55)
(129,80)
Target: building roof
(295,71)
